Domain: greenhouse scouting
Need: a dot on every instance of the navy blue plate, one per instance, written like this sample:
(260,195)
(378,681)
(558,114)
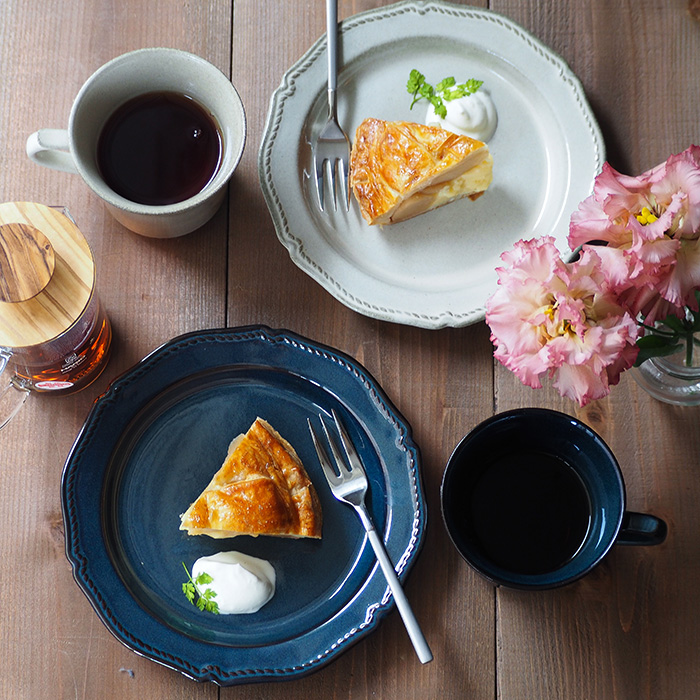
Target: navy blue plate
(152,442)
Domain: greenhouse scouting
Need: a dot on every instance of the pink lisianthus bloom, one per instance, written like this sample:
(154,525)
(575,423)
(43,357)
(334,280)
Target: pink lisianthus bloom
(557,319)
(647,231)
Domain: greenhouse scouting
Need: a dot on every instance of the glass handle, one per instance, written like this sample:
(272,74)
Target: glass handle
(12,395)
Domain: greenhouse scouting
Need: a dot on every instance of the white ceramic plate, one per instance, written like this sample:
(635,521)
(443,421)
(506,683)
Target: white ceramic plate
(437,269)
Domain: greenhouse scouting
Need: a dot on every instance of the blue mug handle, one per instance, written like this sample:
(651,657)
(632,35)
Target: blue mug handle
(641,529)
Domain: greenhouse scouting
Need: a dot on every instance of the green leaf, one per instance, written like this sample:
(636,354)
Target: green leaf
(426,91)
(650,342)
(203,579)
(415,80)
(655,346)
(209,604)
(473,85)
(674,323)
(212,607)
(438,106)
(444,84)
(189,591)
(468,88)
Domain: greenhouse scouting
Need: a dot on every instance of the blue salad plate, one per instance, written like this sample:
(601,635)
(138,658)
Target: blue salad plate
(152,442)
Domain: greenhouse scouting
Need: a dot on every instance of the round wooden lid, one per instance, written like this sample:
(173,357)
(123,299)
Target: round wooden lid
(27,261)
(47,273)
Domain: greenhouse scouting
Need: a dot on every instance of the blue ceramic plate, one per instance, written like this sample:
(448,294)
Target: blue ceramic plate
(150,445)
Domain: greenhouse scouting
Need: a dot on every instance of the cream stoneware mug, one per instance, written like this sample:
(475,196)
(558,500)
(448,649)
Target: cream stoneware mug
(140,72)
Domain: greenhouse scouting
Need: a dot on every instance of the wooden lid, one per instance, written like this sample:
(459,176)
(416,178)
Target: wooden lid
(47,273)
(27,261)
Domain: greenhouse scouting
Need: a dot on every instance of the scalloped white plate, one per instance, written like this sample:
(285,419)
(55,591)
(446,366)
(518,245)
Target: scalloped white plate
(437,269)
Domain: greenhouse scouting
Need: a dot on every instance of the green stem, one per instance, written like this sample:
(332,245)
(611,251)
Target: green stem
(184,566)
(657,331)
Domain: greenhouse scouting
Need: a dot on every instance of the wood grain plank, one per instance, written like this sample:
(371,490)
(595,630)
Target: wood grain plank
(440,380)
(625,630)
(54,644)
(628,630)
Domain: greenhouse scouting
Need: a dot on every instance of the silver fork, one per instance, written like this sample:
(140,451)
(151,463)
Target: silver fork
(331,149)
(349,485)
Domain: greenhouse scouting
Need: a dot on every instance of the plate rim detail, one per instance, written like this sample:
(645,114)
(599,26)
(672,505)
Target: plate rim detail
(287,89)
(78,557)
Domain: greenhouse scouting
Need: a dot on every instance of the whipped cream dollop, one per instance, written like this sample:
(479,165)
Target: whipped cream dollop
(472,115)
(243,584)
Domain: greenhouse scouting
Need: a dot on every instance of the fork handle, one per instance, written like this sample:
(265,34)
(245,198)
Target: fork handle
(409,619)
(332,50)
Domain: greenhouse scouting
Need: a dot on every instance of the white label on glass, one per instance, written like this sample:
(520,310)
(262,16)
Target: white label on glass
(72,361)
(53,386)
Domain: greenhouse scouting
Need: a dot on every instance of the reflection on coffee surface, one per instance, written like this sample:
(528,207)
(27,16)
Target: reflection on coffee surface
(159,148)
(529,512)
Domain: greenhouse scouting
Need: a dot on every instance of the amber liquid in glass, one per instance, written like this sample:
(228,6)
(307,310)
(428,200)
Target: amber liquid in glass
(71,361)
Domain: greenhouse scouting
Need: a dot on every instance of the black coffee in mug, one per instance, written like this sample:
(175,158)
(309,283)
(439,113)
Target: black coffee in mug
(159,148)
(533,499)
(529,512)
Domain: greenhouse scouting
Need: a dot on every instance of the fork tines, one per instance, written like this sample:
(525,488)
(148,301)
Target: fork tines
(347,465)
(323,456)
(334,169)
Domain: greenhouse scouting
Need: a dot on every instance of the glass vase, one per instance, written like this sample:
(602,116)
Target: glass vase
(669,379)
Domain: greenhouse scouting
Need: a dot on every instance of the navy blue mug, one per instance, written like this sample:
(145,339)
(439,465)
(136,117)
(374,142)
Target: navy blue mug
(534,499)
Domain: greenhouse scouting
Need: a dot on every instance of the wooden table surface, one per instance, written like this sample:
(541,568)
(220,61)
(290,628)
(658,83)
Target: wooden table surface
(629,630)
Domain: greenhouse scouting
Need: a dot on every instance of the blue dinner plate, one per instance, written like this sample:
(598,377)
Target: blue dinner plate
(152,442)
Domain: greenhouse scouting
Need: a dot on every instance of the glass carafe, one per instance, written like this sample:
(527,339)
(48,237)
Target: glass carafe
(54,334)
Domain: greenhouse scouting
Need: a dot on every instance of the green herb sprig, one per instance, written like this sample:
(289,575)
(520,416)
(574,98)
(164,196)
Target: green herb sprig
(203,599)
(445,91)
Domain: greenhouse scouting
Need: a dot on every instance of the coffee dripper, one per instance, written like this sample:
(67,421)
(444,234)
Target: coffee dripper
(54,334)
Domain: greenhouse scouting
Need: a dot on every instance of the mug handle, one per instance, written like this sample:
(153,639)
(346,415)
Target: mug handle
(641,528)
(51,148)
(10,403)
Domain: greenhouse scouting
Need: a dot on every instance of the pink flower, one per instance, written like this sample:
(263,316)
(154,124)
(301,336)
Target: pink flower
(650,228)
(557,319)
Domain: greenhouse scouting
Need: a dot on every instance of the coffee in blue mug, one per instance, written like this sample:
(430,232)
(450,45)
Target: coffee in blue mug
(534,499)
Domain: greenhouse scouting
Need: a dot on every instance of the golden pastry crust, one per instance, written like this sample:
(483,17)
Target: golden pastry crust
(401,169)
(261,488)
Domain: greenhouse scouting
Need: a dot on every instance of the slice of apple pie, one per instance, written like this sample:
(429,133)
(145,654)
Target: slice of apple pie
(262,488)
(401,169)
